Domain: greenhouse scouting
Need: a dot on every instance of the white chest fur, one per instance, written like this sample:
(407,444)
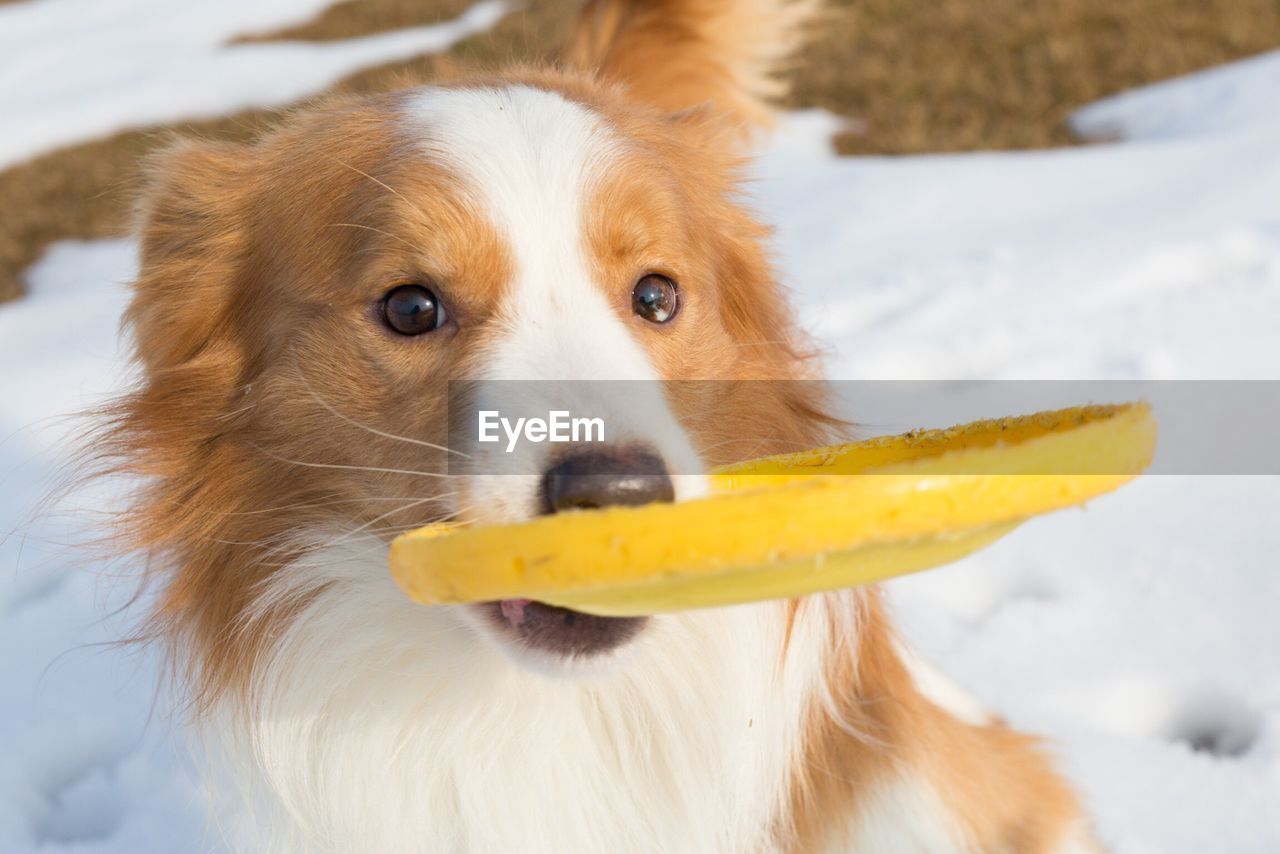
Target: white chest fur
(381,725)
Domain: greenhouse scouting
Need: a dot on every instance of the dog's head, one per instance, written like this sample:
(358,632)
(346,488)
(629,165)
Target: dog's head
(306,302)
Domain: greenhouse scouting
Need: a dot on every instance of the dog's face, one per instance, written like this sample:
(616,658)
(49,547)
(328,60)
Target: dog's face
(305,303)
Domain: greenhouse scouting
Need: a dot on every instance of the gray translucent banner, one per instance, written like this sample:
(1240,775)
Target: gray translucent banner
(527,427)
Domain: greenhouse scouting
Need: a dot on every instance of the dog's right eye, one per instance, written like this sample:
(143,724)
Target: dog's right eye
(655,298)
(412,310)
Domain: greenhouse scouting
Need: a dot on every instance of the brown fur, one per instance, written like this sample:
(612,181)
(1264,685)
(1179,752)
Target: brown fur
(259,267)
(994,781)
(262,370)
(678,54)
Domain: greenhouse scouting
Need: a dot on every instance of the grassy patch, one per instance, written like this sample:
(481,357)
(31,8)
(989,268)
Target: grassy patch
(921,75)
(960,75)
(87,190)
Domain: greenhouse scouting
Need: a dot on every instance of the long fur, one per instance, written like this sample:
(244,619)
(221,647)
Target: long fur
(282,439)
(680,54)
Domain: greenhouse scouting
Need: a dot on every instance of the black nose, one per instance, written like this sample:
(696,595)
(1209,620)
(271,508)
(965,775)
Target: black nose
(594,478)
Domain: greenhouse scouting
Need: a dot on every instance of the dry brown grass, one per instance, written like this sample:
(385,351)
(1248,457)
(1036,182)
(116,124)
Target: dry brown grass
(86,191)
(958,75)
(924,75)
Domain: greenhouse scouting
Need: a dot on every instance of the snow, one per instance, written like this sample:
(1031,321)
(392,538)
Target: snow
(81,69)
(1139,636)
(1147,260)
(1231,98)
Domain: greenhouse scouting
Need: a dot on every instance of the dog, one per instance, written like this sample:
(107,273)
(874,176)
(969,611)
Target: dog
(303,306)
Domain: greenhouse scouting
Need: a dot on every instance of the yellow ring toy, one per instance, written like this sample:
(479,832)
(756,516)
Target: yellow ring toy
(793,524)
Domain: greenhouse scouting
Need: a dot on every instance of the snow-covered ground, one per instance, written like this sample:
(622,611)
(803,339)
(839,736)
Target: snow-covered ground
(1140,636)
(78,69)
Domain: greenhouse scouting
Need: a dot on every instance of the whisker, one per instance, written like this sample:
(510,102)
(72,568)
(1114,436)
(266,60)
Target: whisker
(395,237)
(449,519)
(369,526)
(761,343)
(381,184)
(761,443)
(390,529)
(376,469)
(383,434)
(349,534)
(284,542)
(309,505)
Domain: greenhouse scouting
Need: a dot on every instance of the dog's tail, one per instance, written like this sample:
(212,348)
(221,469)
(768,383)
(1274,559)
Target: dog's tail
(679,54)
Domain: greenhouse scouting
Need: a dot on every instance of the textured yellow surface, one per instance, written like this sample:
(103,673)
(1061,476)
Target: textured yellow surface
(800,523)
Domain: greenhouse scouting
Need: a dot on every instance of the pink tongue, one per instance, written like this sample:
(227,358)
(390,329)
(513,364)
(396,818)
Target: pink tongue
(513,611)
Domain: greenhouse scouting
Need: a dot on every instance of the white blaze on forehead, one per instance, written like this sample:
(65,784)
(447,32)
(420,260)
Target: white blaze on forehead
(529,160)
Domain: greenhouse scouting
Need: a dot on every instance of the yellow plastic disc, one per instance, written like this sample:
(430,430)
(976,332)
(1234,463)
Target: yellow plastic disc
(794,524)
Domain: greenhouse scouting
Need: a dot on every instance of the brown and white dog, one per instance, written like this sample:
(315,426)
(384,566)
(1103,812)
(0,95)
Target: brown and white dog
(302,305)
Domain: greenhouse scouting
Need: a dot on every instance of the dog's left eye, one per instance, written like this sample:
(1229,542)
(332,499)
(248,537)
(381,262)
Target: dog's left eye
(412,310)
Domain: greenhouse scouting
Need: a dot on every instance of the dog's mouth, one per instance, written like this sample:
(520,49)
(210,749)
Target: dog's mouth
(560,631)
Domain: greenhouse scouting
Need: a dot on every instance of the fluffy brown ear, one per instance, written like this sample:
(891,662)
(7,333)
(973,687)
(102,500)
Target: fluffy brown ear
(194,232)
(676,54)
(705,128)
(192,227)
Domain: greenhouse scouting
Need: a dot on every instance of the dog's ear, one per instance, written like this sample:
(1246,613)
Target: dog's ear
(193,223)
(677,54)
(704,128)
